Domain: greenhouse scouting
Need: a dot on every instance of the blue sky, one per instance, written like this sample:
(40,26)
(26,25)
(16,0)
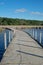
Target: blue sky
(23,9)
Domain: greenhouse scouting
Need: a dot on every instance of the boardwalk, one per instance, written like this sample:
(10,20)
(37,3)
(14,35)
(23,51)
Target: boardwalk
(23,50)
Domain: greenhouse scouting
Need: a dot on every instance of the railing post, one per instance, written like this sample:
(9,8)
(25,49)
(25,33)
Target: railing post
(9,36)
(14,32)
(40,36)
(36,35)
(33,33)
(5,40)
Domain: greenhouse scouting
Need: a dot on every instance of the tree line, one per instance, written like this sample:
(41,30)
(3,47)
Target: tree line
(11,21)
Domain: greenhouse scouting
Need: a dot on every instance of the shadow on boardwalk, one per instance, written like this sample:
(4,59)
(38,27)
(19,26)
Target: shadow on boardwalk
(29,54)
(29,46)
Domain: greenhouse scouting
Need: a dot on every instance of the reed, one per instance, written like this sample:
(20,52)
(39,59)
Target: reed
(1,29)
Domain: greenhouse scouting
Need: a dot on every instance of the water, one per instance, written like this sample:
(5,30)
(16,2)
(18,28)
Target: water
(2,46)
(36,34)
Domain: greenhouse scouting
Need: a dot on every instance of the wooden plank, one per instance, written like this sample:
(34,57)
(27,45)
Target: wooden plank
(23,50)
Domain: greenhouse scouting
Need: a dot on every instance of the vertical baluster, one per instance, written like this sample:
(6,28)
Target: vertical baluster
(9,36)
(5,41)
(36,35)
(33,33)
(40,36)
(14,32)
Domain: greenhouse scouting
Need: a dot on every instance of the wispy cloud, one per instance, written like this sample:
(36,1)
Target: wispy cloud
(20,10)
(30,12)
(2,3)
(37,13)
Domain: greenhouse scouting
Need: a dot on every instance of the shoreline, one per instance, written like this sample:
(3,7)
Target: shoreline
(21,26)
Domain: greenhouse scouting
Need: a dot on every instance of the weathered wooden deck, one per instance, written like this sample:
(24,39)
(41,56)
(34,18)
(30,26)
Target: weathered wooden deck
(23,50)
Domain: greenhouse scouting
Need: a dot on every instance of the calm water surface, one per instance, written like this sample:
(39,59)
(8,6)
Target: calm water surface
(2,45)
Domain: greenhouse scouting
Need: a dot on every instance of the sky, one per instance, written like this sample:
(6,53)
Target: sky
(22,9)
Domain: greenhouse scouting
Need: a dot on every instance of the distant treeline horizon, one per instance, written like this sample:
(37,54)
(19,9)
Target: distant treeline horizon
(17,21)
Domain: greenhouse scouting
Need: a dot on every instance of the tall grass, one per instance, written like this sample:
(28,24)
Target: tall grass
(1,29)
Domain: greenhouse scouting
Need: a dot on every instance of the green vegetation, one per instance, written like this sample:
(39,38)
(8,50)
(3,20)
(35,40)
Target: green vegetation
(11,21)
(1,29)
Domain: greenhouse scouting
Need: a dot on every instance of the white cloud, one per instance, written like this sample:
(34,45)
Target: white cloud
(37,13)
(20,10)
(1,3)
